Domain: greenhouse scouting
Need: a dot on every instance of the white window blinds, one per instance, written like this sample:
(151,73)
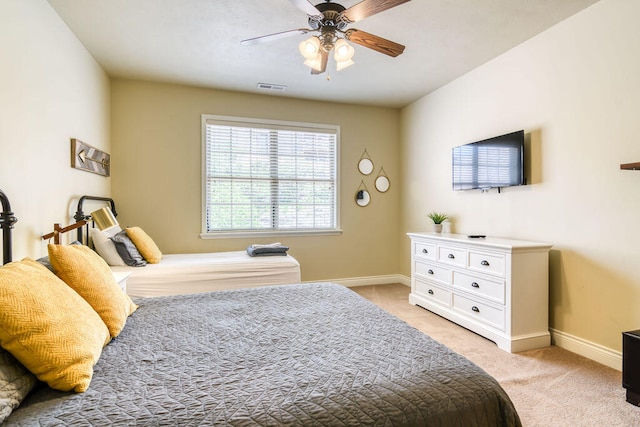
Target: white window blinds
(269,176)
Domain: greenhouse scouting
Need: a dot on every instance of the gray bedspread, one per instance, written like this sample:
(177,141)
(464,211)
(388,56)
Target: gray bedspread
(292,355)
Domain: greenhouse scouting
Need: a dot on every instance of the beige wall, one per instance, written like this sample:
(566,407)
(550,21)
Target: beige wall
(157,182)
(575,90)
(52,90)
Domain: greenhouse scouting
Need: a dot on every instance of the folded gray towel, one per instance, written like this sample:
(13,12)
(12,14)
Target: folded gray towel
(267,250)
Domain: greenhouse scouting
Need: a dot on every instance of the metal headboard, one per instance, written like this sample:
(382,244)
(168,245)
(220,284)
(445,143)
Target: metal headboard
(80,215)
(7,219)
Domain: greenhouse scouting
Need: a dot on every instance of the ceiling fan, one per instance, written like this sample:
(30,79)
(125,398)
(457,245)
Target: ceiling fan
(330,20)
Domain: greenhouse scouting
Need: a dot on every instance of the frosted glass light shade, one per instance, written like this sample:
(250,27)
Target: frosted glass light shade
(341,65)
(310,48)
(315,63)
(343,51)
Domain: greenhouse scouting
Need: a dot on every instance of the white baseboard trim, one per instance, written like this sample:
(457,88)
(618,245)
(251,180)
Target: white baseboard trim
(588,349)
(370,280)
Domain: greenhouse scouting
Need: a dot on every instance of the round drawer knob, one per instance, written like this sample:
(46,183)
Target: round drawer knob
(451,256)
(475,285)
(430,291)
(424,251)
(430,271)
(484,262)
(476,309)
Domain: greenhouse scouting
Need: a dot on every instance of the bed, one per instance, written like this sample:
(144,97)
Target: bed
(193,273)
(197,272)
(306,354)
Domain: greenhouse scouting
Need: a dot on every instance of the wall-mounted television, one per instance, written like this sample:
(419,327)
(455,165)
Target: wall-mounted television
(491,163)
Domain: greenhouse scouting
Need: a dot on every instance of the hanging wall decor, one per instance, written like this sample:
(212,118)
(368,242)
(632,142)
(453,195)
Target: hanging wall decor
(90,159)
(363,198)
(382,181)
(365,165)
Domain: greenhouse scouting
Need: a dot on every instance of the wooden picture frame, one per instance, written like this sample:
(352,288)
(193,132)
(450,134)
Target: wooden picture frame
(90,159)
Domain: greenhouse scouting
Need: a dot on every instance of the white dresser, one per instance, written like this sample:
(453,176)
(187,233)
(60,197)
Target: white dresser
(498,288)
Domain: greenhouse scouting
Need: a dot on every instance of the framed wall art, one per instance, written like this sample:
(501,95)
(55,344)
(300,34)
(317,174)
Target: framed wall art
(90,159)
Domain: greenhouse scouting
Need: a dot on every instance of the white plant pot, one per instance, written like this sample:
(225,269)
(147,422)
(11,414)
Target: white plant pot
(437,228)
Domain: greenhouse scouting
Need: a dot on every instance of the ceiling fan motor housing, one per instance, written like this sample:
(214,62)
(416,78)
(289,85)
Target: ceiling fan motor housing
(331,17)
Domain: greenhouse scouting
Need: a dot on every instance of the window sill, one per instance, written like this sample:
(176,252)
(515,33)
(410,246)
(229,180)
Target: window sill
(244,234)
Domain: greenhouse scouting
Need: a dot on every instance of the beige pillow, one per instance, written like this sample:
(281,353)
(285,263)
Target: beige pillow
(145,244)
(48,327)
(90,276)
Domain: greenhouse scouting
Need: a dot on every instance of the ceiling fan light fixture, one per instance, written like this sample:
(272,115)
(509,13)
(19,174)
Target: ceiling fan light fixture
(343,51)
(315,63)
(310,48)
(341,65)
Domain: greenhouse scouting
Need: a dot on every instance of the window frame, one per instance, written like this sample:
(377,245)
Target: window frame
(254,122)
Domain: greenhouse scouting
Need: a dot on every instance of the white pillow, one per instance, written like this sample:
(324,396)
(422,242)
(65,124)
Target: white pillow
(112,231)
(105,247)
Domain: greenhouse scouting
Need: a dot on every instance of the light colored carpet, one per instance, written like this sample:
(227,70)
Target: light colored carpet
(549,386)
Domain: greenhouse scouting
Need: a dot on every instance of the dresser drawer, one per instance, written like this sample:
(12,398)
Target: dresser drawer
(452,256)
(425,250)
(479,311)
(490,289)
(487,263)
(433,293)
(440,274)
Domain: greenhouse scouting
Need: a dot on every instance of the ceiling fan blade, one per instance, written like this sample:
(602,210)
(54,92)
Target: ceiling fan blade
(306,7)
(323,63)
(374,42)
(275,36)
(369,7)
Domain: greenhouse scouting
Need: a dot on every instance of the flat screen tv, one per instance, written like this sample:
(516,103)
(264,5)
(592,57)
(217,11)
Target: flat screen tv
(491,163)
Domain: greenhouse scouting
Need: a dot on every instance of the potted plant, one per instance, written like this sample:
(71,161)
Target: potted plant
(437,218)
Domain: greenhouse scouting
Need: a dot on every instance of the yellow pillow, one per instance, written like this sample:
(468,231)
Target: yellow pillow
(145,244)
(48,327)
(90,276)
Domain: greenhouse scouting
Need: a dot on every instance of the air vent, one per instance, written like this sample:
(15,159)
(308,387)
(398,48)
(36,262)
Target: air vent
(270,86)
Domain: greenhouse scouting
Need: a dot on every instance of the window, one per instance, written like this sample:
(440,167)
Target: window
(267,177)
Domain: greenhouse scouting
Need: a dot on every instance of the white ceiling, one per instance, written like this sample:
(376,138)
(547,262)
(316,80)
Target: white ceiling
(197,42)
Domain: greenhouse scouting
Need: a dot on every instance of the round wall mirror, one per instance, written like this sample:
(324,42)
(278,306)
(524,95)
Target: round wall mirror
(382,184)
(365,166)
(363,198)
